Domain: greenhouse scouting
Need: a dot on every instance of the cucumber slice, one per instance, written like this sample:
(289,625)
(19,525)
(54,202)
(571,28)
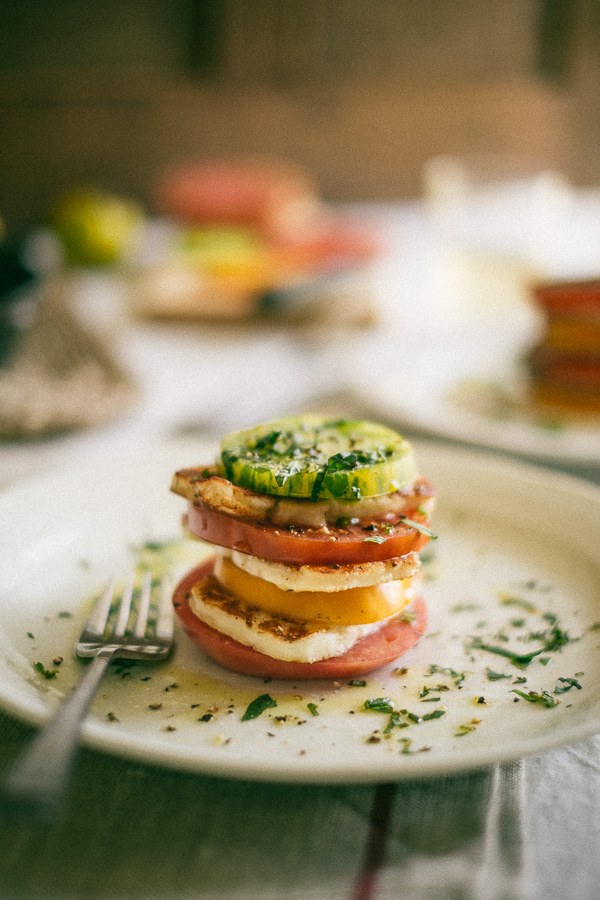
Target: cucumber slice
(314,458)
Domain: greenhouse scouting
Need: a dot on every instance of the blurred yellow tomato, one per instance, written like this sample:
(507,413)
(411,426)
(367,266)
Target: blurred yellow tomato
(94,227)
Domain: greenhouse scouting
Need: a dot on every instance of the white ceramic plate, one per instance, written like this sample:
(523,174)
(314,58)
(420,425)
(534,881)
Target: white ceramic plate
(518,552)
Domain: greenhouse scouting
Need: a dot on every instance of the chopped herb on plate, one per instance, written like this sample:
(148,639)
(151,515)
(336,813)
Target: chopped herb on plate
(47,673)
(380,704)
(258,706)
(566,685)
(538,697)
(419,527)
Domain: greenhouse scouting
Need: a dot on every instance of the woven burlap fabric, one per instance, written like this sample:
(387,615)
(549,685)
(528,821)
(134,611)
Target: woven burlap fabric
(140,832)
(60,375)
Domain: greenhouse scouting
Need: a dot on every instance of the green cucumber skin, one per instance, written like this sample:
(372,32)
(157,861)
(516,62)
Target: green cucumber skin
(241,457)
(335,485)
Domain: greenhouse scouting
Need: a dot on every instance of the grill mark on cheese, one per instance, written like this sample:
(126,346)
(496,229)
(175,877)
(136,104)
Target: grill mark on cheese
(214,594)
(210,591)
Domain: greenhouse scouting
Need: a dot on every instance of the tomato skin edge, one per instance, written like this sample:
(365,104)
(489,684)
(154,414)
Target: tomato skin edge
(370,653)
(279,545)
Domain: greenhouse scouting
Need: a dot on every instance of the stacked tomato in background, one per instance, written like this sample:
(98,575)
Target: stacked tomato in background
(318,525)
(565,365)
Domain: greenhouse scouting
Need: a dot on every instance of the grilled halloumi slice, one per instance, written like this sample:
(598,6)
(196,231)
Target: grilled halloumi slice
(326,578)
(274,635)
(222,495)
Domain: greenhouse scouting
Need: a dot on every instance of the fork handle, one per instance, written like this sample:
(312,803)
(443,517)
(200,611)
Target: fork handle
(36,784)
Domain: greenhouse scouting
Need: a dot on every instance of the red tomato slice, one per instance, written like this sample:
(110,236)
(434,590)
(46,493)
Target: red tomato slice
(568,296)
(308,546)
(235,191)
(370,653)
(582,373)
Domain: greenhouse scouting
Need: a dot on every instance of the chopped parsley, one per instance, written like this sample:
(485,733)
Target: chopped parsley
(436,714)
(318,483)
(313,708)
(403,719)
(426,691)
(396,720)
(47,673)
(419,527)
(495,676)
(566,684)
(427,556)
(258,706)
(153,546)
(464,730)
(417,719)
(543,697)
(380,704)
(458,677)
(510,600)
(556,639)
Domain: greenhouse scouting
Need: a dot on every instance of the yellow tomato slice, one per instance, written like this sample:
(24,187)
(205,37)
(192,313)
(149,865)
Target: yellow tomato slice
(573,337)
(354,606)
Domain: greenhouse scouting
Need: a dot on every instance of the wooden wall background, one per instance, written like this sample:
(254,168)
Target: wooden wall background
(360,91)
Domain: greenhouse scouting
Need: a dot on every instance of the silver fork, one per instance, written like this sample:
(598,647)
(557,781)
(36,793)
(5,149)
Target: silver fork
(36,784)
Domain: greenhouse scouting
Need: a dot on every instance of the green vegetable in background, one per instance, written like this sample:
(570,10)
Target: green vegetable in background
(95,228)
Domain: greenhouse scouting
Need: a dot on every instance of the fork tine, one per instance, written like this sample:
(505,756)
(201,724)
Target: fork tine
(124,608)
(164,615)
(144,605)
(96,622)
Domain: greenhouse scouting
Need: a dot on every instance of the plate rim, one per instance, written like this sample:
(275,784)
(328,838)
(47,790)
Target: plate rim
(538,449)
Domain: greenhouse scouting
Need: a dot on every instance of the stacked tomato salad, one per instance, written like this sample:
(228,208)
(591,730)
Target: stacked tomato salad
(318,523)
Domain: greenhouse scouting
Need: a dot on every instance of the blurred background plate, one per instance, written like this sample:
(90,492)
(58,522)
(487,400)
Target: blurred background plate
(468,390)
